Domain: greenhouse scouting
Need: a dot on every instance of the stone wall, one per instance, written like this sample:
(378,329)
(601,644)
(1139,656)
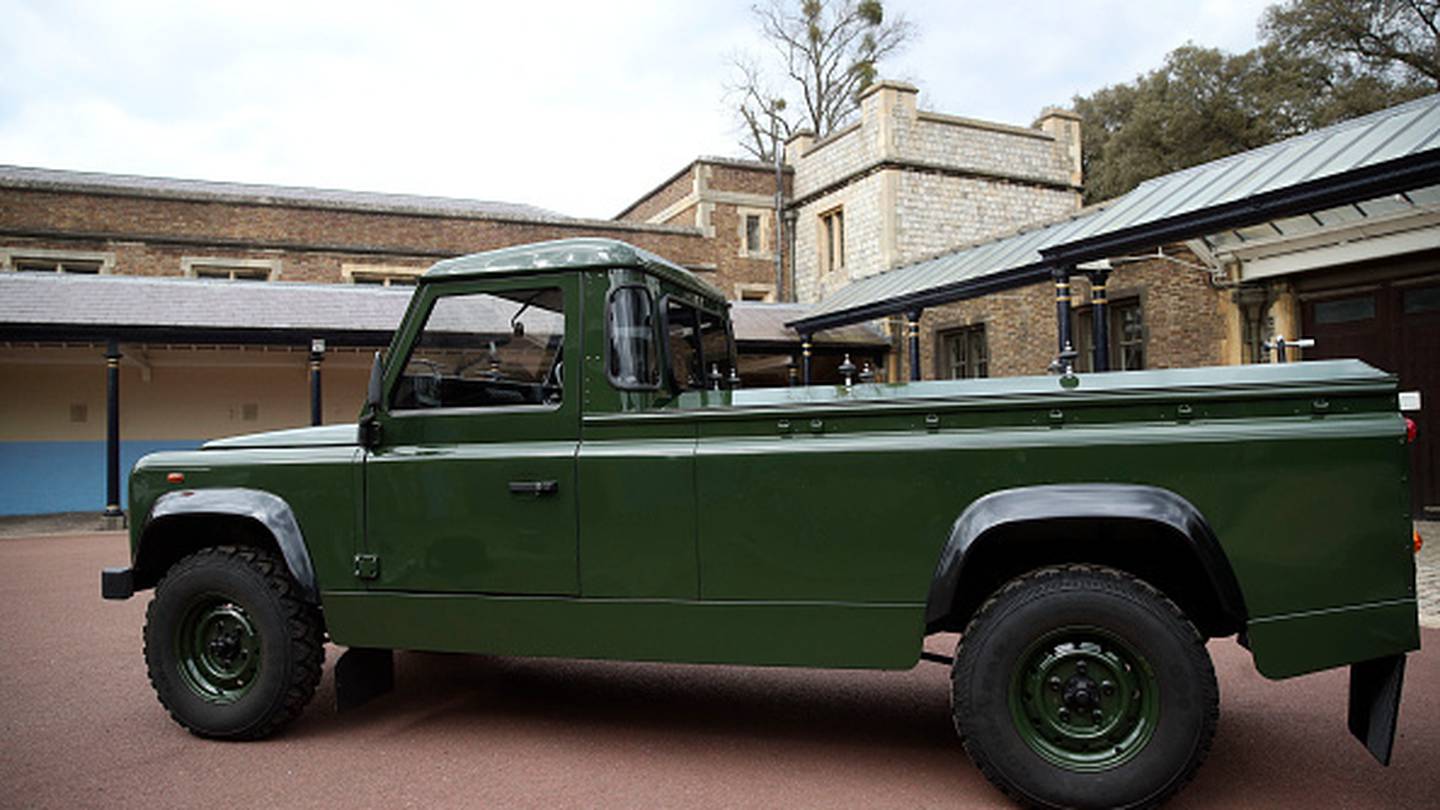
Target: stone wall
(913,184)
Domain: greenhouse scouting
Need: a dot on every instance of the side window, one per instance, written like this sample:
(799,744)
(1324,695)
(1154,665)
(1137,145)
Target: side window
(683,341)
(481,350)
(630,324)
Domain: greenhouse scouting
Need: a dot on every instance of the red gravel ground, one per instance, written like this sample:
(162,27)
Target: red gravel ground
(80,727)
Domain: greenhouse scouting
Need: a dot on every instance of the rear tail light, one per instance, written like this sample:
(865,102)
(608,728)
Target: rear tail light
(1419,541)
(1410,430)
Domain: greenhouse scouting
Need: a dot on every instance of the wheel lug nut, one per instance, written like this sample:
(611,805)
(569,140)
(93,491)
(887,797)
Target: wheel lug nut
(1054,683)
(1065,714)
(1097,715)
(1080,667)
(1107,687)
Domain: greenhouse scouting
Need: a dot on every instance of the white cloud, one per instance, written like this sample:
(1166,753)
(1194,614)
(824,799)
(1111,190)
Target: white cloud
(577,107)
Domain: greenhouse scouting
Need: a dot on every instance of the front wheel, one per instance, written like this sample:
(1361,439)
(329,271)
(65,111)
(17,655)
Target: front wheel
(1082,686)
(232,650)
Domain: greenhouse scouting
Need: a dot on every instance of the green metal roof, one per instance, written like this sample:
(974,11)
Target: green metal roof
(1389,151)
(567,254)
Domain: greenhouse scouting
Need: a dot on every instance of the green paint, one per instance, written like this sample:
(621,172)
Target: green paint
(802,526)
(218,649)
(1084,699)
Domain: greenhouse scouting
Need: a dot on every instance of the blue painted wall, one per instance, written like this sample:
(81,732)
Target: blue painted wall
(37,478)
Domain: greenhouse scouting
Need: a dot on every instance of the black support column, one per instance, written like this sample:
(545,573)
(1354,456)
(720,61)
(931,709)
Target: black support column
(912,336)
(317,353)
(113,512)
(1100,317)
(1065,342)
(805,349)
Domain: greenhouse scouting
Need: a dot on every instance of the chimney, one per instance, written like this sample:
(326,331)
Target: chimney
(1064,126)
(797,145)
(885,106)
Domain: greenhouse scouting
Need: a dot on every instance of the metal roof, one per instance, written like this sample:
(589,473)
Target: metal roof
(66,306)
(255,193)
(1008,261)
(1390,151)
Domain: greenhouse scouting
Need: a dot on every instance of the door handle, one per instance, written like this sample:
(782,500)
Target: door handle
(536,488)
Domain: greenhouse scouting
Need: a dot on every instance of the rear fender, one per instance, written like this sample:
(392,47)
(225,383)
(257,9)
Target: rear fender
(984,523)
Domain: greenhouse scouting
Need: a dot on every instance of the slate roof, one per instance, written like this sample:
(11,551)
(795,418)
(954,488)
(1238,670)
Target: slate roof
(254,193)
(57,303)
(1403,141)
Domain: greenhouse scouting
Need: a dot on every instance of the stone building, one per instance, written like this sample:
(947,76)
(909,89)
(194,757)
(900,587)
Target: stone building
(900,184)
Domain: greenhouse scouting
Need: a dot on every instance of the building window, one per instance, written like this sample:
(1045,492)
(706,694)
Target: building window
(56,261)
(1126,346)
(1127,335)
(230,269)
(381,275)
(832,240)
(753,232)
(964,354)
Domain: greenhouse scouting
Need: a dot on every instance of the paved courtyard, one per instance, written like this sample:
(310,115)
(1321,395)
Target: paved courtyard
(1427,573)
(82,727)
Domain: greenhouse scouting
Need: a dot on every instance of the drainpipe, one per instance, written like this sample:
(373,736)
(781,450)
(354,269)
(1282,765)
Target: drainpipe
(805,347)
(779,213)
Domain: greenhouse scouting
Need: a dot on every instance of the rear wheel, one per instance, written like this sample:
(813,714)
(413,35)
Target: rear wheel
(232,650)
(1082,686)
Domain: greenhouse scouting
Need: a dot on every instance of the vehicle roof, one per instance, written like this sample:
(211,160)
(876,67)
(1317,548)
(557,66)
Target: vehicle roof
(568,254)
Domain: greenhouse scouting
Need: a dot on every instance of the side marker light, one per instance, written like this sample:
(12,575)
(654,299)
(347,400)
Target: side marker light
(1418,541)
(176,478)
(1410,430)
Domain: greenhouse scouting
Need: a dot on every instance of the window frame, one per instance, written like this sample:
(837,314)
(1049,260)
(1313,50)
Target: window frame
(945,359)
(832,239)
(669,362)
(662,340)
(393,387)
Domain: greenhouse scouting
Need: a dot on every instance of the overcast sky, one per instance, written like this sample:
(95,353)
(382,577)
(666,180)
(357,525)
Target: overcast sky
(578,107)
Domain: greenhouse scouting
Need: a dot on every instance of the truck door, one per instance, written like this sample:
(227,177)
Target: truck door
(471,484)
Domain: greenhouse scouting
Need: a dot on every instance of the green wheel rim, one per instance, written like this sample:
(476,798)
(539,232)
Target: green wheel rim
(218,649)
(1084,699)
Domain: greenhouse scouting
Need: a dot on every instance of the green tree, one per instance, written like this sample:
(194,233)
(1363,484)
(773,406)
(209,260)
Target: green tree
(825,52)
(1203,104)
(1394,39)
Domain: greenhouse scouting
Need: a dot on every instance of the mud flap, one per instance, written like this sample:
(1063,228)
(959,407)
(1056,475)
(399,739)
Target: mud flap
(1375,703)
(361,675)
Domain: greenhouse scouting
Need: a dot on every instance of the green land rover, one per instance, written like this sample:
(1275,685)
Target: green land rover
(556,459)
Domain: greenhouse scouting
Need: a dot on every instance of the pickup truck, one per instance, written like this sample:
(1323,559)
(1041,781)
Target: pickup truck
(556,459)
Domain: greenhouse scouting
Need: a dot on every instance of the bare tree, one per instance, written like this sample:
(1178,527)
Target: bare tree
(826,54)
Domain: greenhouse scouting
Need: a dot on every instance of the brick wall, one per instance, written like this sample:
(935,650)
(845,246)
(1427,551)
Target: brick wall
(1181,311)
(149,236)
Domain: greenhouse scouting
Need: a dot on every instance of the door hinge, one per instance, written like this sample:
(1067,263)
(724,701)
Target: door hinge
(367,566)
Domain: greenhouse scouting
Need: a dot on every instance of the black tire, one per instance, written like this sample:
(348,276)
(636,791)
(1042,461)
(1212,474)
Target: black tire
(1082,686)
(232,649)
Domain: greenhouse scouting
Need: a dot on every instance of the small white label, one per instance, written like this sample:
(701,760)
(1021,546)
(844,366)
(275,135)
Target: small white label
(1409,400)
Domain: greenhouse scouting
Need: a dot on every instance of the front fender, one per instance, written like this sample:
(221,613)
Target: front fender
(1099,502)
(269,510)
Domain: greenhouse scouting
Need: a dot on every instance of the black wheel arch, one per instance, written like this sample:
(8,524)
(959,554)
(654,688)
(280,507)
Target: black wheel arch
(1149,532)
(181,523)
